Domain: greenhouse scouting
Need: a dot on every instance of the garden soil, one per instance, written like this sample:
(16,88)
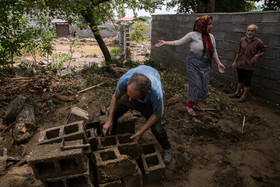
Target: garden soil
(226,144)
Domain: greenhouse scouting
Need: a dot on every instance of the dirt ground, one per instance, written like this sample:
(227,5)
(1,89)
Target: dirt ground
(211,149)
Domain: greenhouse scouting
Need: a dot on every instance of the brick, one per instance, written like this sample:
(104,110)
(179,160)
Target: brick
(48,161)
(153,165)
(112,166)
(77,114)
(136,180)
(84,179)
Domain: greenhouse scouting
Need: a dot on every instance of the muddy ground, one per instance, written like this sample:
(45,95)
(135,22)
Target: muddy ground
(211,149)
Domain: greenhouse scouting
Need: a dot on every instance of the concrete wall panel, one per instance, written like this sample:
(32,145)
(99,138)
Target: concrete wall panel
(228,28)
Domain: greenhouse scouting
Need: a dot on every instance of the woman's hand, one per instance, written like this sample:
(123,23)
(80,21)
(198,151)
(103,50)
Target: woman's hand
(221,68)
(160,43)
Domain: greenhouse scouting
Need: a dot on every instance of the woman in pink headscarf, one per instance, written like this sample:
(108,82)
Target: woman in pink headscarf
(202,50)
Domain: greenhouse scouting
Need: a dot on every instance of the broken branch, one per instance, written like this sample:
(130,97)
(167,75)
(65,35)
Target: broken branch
(90,87)
(243,124)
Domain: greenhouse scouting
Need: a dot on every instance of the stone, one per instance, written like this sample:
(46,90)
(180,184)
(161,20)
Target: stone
(14,108)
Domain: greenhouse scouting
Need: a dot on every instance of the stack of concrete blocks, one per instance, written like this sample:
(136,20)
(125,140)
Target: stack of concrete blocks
(115,169)
(114,160)
(153,165)
(125,42)
(55,167)
(120,151)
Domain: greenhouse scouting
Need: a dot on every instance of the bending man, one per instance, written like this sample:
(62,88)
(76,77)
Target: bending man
(140,89)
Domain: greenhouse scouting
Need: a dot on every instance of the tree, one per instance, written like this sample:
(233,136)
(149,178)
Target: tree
(92,11)
(271,5)
(204,6)
(14,31)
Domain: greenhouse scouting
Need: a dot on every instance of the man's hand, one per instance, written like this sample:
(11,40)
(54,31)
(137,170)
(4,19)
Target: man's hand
(254,60)
(234,65)
(137,136)
(107,127)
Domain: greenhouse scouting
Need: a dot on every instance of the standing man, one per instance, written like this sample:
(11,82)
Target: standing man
(140,89)
(250,49)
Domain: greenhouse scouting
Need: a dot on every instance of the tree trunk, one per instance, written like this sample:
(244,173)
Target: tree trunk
(87,15)
(211,6)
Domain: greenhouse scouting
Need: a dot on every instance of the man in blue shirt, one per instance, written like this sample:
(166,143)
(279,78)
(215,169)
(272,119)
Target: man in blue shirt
(140,89)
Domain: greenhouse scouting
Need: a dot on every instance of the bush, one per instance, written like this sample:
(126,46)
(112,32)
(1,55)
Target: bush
(139,32)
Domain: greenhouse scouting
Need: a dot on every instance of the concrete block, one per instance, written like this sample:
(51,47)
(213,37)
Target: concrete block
(154,167)
(71,131)
(253,18)
(271,29)
(238,18)
(107,141)
(240,27)
(84,179)
(135,180)
(126,126)
(225,18)
(223,27)
(95,126)
(48,161)
(77,114)
(112,166)
(272,40)
(125,145)
(270,17)
(117,183)
(271,52)
(68,132)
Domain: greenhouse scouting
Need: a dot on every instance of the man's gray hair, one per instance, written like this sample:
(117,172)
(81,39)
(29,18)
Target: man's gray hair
(254,25)
(140,82)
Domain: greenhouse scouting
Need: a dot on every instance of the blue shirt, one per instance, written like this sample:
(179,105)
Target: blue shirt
(155,96)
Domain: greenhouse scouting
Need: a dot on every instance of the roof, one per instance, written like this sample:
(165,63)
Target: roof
(58,21)
(131,19)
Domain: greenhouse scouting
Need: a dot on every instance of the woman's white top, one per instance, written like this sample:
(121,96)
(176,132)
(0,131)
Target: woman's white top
(196,42)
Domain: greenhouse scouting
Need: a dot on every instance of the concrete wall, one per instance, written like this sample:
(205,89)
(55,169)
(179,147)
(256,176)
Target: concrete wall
(106,31)
(228,28)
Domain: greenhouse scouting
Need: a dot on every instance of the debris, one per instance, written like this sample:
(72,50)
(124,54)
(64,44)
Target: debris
(2,125)
(64,72)
(3,160)
(243,124)
(65,98)
(26,62)
(14,108)
(77,114)
(90,87)
(24,125)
